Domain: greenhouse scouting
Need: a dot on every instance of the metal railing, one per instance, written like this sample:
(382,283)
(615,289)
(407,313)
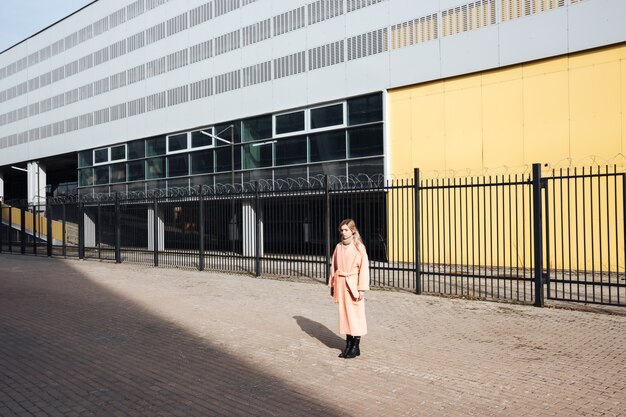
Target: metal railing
(500,237)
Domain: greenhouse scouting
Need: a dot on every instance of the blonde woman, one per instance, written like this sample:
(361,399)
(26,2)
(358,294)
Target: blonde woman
(349,279)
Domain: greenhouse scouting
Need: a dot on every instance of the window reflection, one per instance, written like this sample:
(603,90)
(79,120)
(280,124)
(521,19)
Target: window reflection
(328,146)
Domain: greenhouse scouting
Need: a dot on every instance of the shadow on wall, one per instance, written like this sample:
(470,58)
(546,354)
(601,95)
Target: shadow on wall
(68,346)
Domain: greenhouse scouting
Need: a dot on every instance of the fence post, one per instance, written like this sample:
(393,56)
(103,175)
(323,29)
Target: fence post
(257,230)
(201,232)
(81,231)
(23,229)
(418,260)
(10,231)
(64,229)
(155,226)
(1,225)
(537,235)
(35,228)
(327,225)
(49,228)
(118,230)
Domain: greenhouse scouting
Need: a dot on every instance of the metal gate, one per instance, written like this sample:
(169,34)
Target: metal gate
(584,229)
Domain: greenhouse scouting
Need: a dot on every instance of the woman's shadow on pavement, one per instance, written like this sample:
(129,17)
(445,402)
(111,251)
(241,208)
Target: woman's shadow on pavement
(320,332)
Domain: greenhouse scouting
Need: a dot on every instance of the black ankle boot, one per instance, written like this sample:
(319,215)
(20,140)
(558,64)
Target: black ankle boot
(354,350)
(349,341)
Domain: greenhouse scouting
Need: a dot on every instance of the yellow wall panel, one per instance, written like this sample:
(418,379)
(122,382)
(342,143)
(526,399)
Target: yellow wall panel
(503,124)
(400,117)
(428,127)
(595,112)
(502,75)
(546,118)
(543,67)
(463,115)
(623,101)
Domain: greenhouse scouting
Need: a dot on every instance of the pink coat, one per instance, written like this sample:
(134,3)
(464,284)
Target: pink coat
(349,274)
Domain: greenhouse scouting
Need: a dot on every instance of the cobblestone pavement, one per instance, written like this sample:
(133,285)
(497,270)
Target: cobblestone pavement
(81,338)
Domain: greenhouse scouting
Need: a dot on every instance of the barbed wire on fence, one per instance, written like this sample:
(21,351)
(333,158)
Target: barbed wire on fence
(315,182)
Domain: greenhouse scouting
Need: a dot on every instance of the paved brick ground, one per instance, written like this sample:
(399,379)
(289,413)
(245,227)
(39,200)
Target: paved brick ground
(88,338)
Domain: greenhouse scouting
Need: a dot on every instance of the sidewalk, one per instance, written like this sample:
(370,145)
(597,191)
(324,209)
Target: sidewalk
(82,338)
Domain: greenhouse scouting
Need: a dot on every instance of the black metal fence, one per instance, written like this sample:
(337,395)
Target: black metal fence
(519,238)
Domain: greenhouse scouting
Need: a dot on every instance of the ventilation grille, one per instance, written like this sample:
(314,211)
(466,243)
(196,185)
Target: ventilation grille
(513,9)
(353,5)
(101,56)
(225,6)
(468,17)
(137,106)
(136,41)
(326,55)
(83,35)
(136,74)
(33,109)
(135,9)
(71,68)
(246,2)
(288,21)
(84,120)
(177,95)
(71,96)
(151,4)
(117,112)
(256,32)
(177,24)
(201,14)
(117,80)
(156,67)
(85,92)
(117,18)
(414,31)
(201,51)
(155,33)
(227,42)
(201,89)
(101,116)
(289,65)
(117,49)
(101,86)
(256,74)
(22,112)
(58,128)
(70,126)
(324,9)
(177,59)
(57,101)
(227,82)
(367,44)
(156,101)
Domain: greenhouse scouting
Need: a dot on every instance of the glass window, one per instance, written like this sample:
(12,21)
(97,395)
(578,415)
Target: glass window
(365,109)
(365,141)
(202,162)
(291,151)
(155,146)
(178,165)
(118,173)
(199,139)
(85,177)
(290,173)
(222,159)
(226,132)
(85,159)
(136,149)
(155,168)
(256,128)
(373,168)
(257,155)
(328,146)
(327,116)
(177,142)
(118,152)
(102,175)
(335,169)
(101,156)
(137,186)
(290,122)
(258,175)
(136,170)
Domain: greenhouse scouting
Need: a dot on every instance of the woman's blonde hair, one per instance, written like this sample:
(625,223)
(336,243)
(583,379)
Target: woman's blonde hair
(352,226)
